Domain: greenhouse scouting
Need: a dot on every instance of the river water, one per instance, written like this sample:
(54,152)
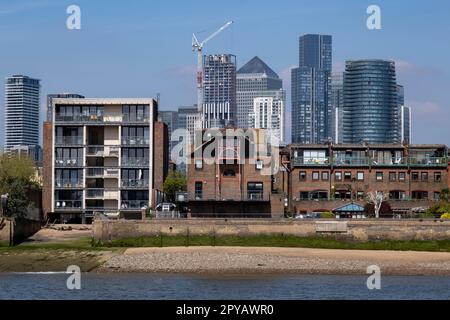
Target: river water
(176,286)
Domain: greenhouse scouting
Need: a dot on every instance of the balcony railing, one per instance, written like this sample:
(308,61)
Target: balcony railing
(302,161)
(430,161)
(400,161)
(135,162)
(101,172)
(68,140)
(111,151)
(95,151)
(351,161)
(68,162)
(250,196)
(97,117)
(135,118)
(68,205)
(102,193)
(133,204)
(135,141)
(67,183)
(134,183)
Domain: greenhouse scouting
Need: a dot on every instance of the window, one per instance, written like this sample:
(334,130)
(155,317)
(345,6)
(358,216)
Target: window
(198,190)
(360,195)
(304,195)
(347,176)
(302,175)
(415,176)
(199,164)
(424,176)
(315,175)
(325,175)
(338,175)
(397,195)
(392,176)
(259,165)
(255,190)
(437,177)
(229,173)
(401,176)
(360,176)
(420,195)
(379,176)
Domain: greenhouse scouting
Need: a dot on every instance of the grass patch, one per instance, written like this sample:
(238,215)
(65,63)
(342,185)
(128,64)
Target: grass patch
(278,241)
(84,243)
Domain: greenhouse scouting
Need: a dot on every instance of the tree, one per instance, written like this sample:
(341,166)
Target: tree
(16,178)
(376,198)
(175,182)
(445,193)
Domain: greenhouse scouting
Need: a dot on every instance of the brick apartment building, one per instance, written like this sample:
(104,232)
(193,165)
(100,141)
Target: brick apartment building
(103,155)
(324,177)
(228,175)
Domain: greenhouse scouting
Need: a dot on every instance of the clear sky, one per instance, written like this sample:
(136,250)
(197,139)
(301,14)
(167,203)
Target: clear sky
(139,48)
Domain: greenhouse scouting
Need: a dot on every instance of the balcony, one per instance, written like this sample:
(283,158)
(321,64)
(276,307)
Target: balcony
(134,204)
(95,151)
(129,141)
(250,196)
(134,183)
(68,184)
(135,118)
(135,162)
(428,161)
(101,172)
(70,140)
(95,117)
(351,161)
(101,193)
(68,162)
(400,161)
(302,161)
(111,152)
(68,205)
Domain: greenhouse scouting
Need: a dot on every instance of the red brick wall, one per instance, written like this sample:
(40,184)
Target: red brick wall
(160,156)
(47,169)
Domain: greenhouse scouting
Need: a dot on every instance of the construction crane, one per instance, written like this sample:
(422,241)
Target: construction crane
(198,46)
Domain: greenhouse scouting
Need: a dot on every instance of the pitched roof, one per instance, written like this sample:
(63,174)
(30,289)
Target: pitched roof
(256,65)
(351,207)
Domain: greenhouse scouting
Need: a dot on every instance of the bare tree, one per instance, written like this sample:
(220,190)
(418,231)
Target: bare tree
(376,198)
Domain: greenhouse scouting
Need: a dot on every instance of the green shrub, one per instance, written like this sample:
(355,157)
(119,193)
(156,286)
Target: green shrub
(445,216)
(327,215)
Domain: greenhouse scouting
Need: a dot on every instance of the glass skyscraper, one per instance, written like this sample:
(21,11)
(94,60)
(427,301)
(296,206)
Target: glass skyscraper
(21,111)
(255,79)
(337,106)
(370,102)
(311,81)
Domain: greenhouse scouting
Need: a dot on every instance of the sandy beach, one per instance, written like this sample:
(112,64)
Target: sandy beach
(249,260)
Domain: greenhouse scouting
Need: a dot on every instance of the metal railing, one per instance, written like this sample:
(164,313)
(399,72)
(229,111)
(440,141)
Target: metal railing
(67,183)
(135,141)
(94,117)
(311,161)
(102,172)
(136,162)
(95,151)
(430,161)
(366,161)
(134,183)
(69,140)
(68,204)
(135,118)
(104,193)
(351,161)
(133,204)
(399,161)
(68,162)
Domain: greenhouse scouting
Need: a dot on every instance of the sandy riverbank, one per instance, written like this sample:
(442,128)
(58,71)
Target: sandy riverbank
(275,260)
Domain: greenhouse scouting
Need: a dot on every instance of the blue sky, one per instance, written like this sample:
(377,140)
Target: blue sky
(138,48)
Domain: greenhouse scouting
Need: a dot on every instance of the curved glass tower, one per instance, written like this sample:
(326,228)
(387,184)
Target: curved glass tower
(370,102)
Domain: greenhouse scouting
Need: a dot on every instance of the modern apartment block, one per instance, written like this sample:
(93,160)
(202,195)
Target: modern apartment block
(268,113)
(22,96)
(371,112)
(337,106)
(52,96)
(255,80)
(324,177)
(310,92)
(103,155)
(219,96)
(227,176)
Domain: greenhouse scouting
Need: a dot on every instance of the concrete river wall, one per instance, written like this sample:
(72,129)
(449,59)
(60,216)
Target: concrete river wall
(356,230)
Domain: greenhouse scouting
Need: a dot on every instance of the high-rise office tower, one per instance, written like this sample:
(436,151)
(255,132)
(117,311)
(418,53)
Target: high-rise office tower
(219,96)
(255,79)
(311,107)
(337,104)
(52,96)
(171,119)
(21,111)
(268,113)
(370,102)
(404,116)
